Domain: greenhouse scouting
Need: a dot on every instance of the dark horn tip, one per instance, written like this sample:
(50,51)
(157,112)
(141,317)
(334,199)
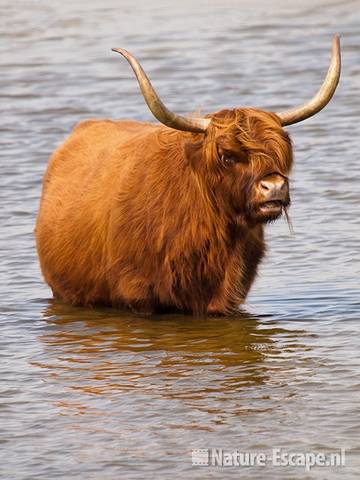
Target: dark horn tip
(119,50)
(122,52)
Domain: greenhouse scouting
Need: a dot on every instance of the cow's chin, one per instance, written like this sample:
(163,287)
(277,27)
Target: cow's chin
(266,212)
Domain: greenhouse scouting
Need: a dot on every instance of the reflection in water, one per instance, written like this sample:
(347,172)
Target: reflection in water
(205,362)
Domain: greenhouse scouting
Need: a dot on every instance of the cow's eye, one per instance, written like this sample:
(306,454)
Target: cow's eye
(229,159)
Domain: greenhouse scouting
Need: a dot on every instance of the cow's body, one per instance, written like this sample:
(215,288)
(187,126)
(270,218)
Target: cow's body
(170,216)
(124,221)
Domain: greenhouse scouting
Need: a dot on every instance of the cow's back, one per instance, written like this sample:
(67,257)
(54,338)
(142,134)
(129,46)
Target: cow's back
(80,186)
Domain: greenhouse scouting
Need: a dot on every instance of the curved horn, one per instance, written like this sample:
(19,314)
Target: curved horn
(158,109)
(323,96)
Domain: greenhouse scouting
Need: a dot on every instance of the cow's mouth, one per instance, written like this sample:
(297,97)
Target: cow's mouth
(263,212)
(272,207)
(270,211)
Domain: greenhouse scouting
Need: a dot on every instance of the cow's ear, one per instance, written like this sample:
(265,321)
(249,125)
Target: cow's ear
(193,153)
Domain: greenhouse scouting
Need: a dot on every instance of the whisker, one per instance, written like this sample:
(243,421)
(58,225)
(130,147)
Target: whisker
(288,220)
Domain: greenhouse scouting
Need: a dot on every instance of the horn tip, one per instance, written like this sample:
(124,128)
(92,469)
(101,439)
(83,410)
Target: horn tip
(122,51)
(336,39)
(336,46)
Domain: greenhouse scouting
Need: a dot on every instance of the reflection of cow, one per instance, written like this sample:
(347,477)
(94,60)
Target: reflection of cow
(142,215)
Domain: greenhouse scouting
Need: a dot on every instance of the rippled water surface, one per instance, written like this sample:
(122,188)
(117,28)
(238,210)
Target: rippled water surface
(97,394)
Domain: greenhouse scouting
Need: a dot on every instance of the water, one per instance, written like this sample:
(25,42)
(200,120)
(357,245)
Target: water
(98,394)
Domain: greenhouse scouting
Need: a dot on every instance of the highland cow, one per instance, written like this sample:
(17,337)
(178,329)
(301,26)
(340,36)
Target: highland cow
(167,217)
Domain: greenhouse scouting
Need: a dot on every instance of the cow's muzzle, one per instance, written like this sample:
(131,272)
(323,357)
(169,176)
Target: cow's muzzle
(272,194)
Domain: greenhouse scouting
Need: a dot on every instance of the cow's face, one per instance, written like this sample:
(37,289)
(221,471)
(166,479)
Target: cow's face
(252,156)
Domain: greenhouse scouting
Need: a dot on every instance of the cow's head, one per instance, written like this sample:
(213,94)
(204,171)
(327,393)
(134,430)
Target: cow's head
(244,155)
(244,158)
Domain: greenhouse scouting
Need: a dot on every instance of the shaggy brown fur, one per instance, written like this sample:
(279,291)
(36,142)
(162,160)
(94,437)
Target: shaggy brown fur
(139,215)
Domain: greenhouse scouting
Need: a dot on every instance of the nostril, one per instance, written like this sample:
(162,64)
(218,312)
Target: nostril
(273,186)
(265,185)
